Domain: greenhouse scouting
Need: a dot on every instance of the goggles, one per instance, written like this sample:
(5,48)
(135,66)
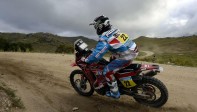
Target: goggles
(96,24)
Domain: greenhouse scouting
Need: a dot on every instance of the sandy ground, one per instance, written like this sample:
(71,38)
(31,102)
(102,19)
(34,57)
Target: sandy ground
(42,82)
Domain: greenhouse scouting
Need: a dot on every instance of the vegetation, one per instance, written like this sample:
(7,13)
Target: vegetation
(170,50)
(173,59)
(19,46)
(168,45)
(45,42)
(65,49)
(177,51)
(141,53)
(15,101)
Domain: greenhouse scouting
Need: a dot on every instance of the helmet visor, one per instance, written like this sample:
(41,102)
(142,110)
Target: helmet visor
(95,24)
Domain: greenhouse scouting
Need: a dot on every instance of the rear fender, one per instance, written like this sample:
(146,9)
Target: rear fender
(152,70)
(156,68)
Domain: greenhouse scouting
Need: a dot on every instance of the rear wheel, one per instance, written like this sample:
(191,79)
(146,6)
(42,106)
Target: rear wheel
(151,92)
(80,83)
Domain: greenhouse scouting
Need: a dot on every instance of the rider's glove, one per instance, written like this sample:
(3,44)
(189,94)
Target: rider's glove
(112,57)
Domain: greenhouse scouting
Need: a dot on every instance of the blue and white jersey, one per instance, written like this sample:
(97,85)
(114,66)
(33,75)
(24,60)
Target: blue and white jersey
(118,43)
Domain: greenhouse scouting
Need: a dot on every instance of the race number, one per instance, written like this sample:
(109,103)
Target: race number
(128,83)
(122,37)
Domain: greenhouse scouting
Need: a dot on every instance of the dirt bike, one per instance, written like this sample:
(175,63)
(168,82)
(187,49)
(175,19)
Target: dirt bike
(135,80)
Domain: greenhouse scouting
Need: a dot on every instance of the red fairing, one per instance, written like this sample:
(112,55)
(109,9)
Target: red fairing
(126,74)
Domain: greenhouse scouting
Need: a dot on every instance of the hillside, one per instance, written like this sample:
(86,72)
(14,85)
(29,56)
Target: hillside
(168,45)
(178,51)
(44,42)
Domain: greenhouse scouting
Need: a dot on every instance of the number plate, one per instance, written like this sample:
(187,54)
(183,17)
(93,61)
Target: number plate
(127,82)
(122,37)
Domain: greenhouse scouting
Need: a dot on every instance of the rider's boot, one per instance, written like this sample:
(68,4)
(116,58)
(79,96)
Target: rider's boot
(114,92)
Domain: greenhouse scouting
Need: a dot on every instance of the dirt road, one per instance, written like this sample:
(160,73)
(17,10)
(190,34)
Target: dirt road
(42,82)
(148,53)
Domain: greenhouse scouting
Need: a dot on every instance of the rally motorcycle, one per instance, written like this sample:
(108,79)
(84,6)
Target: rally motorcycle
(135,80)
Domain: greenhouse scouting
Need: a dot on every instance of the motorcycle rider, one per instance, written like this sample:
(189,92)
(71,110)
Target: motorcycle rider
(122,47)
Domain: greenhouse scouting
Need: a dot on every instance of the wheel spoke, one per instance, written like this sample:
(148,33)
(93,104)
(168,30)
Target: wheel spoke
(82,83)
(151,92)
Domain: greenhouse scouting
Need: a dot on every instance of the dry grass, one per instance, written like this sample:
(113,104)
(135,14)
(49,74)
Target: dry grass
(9,99)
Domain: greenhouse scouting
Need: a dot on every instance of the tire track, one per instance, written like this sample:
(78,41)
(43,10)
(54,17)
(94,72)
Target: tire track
(36,81)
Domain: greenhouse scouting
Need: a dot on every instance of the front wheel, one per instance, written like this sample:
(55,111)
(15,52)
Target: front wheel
(80,83)
(151,92)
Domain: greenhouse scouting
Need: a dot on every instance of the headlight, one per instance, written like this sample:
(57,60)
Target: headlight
(83,46)
(80,45)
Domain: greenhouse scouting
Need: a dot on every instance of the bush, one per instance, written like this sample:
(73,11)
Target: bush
(7,46)
(15,101)
(65,49)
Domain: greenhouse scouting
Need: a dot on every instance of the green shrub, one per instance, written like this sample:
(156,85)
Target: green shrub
(65,49)
(16,101)
(19,46)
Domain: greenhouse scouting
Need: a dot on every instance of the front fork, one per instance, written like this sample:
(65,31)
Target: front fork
(83,82)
